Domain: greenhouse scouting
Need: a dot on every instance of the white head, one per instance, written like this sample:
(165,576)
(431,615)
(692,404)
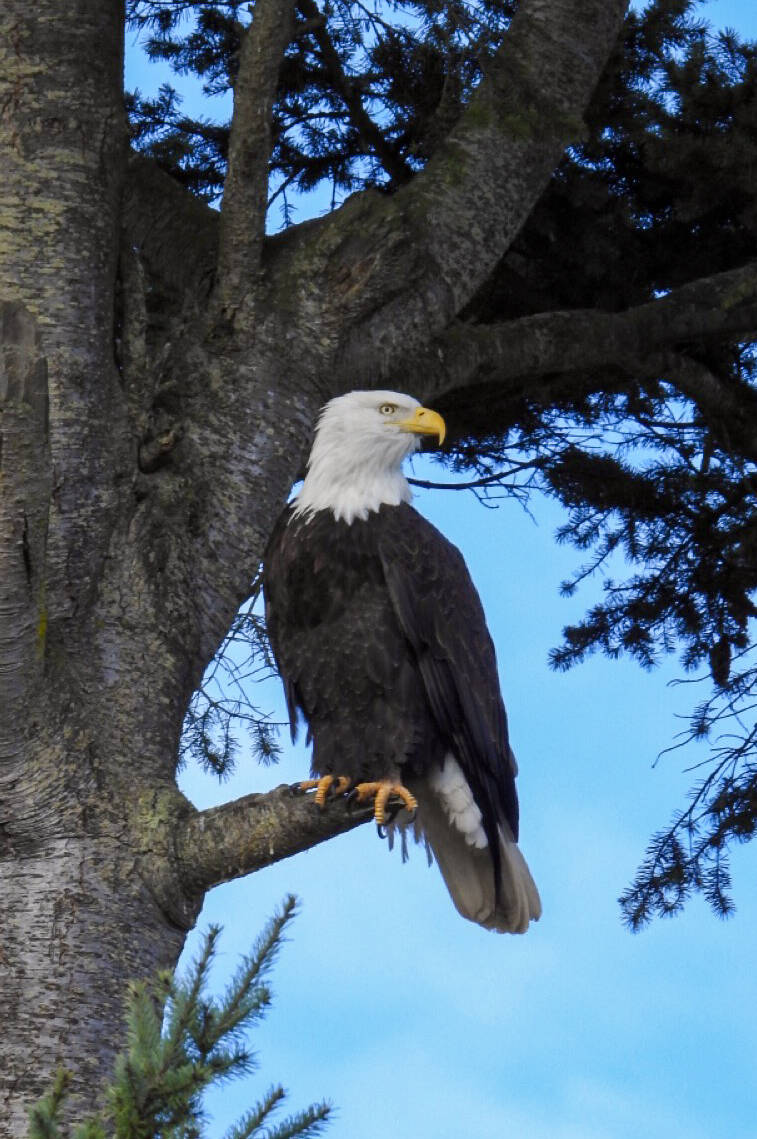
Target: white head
(356,461)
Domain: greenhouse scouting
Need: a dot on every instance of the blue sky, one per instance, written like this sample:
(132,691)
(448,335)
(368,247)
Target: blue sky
(417,1023)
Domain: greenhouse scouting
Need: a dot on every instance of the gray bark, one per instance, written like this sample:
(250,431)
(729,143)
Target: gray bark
(143,460)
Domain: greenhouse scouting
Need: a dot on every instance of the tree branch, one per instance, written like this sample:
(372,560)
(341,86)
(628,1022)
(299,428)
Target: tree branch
(245,197)
(506,144)
(237,838)
(723,305)
(729,409)
(386,273)
(389,157)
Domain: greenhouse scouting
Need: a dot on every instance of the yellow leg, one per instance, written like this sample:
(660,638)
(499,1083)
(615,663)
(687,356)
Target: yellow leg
(383,792)
(339,783)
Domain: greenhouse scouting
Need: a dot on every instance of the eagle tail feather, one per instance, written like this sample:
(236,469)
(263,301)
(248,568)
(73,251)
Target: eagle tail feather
(468,872)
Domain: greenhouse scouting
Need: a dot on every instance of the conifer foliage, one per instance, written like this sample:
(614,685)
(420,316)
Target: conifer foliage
(179,1043)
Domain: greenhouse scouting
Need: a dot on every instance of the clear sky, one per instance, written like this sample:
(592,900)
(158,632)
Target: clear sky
(417,1023)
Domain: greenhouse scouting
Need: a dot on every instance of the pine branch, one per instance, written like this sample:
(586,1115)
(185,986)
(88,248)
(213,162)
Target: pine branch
(223,701)
(179,1043)
(250,1124)
(308,1123)
(44,1116)
(390,158)
(730,409)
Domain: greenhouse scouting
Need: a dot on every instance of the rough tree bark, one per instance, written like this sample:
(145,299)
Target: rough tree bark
(145,452)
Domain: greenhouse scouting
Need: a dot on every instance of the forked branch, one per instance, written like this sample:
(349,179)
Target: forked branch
(501,153)
(462,212)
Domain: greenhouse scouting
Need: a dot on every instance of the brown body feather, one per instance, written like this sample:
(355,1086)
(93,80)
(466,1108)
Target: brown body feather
(382,644)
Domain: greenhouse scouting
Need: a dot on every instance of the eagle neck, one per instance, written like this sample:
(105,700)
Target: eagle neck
(352,487)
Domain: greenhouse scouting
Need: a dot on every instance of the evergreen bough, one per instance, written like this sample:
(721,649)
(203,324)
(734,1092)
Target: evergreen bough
(179,1043)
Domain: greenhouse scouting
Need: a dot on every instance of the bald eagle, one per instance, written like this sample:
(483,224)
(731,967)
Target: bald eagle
(381,642)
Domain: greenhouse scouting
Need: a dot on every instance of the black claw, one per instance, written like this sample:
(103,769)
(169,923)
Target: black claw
(354,804)
(392,809)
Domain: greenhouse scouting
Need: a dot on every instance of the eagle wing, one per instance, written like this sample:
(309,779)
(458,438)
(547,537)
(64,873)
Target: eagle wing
(274,579)
(441,615)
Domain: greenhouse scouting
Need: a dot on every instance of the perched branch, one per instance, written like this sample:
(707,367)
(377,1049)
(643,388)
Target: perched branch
(388,156)
(237,838)
(245,198)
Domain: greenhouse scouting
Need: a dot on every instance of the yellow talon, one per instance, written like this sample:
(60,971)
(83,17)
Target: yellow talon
(383,792)
(324,785)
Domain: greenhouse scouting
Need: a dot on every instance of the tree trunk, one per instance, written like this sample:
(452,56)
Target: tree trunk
(78,925)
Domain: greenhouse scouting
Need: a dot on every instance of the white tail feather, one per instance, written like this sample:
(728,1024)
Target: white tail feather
(468,872)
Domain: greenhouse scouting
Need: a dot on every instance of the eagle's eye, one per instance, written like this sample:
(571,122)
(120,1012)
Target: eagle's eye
(388,408)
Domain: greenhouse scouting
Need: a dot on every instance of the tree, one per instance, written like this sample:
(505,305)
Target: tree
(555,228)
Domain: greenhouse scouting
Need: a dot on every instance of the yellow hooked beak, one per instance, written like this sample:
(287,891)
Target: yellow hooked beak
(424,421)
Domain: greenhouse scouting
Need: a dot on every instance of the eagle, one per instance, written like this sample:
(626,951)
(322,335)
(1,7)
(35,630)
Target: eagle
(381,642)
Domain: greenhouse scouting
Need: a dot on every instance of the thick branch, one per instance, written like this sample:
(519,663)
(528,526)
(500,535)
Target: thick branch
(373,136)
(247,834)
(499,157)
(245,198)
(724,305)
